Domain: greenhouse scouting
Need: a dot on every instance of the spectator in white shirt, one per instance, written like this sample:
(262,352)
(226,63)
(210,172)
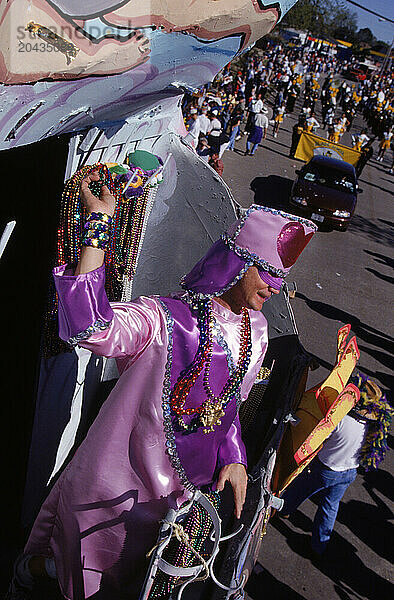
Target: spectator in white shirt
(203,121)
(194,128)
(335,466)
(214,132)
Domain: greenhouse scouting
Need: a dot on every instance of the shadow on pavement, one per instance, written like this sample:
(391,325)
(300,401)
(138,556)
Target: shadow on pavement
(381,259)
(380,480)
(274,151)
(343,594)
(380,275)
(298,542)
(375,185)
(275,141)
(299,520)
(264,584)
(382,357)
(386,380)
(273,191)
(371,231)
(362,330)
(377,533)
(389,223)
(340,562)
(344,567)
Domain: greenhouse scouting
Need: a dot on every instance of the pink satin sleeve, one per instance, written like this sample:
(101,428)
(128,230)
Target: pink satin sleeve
(133,327)
(232,449)
(116,330)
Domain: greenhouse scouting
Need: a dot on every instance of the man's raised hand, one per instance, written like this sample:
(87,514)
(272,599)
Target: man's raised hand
(105,203)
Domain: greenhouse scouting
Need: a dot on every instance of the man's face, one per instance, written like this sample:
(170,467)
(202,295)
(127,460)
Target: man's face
(251,291)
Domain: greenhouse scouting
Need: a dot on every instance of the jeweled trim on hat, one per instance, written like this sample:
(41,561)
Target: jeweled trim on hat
(252,257)
(201,295)
(99,325)
(171,448)
(273,211)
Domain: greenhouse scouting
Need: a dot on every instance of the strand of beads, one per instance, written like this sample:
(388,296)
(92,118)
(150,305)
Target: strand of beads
(69,232)
(197,526)
(188,377)
(72,217)
(136,231)
(213,407)
(209,413)
(121,254)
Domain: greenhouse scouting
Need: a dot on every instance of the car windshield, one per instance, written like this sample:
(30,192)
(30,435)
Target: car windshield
(330,178)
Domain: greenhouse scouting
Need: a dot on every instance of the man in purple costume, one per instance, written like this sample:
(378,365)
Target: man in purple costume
(171,423)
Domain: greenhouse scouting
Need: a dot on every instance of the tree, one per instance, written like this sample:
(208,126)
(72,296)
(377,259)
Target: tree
(344,33)
(321,17)
(365,35)
(302,16)
(345,18)
(380,46)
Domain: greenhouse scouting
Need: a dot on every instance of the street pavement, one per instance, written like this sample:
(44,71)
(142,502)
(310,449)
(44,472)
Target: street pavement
(341,277)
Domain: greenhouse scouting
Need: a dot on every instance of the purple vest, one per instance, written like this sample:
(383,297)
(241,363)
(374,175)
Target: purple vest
(200,469)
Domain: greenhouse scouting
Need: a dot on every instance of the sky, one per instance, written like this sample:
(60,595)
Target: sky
(380,29)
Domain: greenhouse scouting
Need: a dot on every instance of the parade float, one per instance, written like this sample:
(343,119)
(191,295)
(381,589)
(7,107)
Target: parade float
(101,84)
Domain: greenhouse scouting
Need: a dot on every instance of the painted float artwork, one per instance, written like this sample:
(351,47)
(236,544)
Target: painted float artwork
(67,65)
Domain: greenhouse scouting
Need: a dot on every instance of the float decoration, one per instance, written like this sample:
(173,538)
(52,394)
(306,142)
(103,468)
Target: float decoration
(318,413)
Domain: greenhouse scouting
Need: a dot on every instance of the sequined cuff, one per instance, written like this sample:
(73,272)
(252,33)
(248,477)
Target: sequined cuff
(99,325)
(83,303)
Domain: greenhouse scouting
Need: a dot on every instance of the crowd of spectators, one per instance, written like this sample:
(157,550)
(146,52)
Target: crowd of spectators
(255,97)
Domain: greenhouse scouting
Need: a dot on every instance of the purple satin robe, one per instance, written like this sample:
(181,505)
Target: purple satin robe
(103,513)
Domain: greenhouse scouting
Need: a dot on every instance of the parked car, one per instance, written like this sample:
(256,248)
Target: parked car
(326,191)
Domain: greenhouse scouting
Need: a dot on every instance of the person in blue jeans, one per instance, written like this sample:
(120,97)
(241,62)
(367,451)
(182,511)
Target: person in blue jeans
(359,439)
(332,485)
(235,128)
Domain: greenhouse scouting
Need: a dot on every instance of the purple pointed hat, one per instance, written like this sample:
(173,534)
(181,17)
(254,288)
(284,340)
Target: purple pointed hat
(270,239)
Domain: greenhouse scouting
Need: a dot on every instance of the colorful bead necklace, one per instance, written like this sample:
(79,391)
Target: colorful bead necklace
(209,413)
(197,526)
(129,222)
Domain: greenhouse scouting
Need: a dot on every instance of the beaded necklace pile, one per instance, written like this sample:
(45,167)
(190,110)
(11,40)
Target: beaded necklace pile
(197,527)
(127,232)
(209,413)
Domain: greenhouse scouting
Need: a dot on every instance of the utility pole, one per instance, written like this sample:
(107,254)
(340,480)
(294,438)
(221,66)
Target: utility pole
(387,59)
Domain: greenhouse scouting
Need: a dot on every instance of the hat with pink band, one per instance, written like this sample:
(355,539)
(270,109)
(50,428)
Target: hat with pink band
(267,238)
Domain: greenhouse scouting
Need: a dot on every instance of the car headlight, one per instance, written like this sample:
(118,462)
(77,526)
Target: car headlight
(299,200)
(341,213)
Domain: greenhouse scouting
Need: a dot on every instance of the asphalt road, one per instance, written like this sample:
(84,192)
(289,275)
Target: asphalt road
(342,277)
